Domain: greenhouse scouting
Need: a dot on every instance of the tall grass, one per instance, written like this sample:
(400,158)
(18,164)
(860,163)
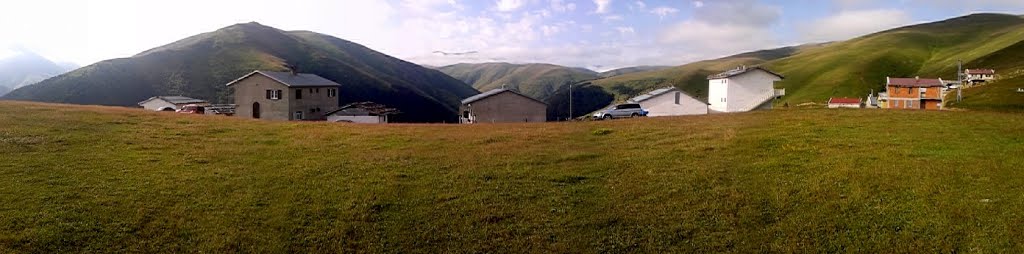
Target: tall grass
(96,179)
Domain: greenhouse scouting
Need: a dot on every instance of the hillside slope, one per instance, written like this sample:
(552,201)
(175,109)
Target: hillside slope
(114,180)
(539,81)
(199,66)
(855,67)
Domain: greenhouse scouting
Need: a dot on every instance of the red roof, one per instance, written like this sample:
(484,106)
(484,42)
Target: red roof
(981,71)
(915,82)
(844,100)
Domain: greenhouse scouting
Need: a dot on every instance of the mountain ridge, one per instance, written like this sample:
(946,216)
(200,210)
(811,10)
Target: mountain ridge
(537,80)
(200,65)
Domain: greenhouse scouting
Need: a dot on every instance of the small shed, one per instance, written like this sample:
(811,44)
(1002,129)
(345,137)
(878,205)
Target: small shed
(170,103)
(502,106)
(670,101)
(843,102)
(362,112)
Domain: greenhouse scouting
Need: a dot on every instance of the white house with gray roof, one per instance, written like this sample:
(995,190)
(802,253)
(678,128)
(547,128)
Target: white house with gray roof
(670,101)
(170,103)
(743,89)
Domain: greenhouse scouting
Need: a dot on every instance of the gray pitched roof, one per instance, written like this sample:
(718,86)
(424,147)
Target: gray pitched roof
(292,80)
(175,100)
(741,70)
(656,93)
(490,93)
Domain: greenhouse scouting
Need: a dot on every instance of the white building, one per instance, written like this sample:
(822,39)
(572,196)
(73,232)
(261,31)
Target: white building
(979,75)
(843,102)
(670,101)
(361,112)
(170,103)
(743,89)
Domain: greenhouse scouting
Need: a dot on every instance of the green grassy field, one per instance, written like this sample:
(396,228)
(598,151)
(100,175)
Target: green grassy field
(96,179)
(999,96)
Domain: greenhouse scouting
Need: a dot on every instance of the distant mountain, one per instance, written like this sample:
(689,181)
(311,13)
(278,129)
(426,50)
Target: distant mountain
(201,65)
(26,68)
(628,70)
(539,81)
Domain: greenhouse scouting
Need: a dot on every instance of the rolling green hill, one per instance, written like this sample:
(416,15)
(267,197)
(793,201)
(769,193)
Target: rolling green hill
(539,81)
(854,67)
(199,66)
(116,180)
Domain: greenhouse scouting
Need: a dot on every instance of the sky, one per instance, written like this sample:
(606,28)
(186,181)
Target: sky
(596,34)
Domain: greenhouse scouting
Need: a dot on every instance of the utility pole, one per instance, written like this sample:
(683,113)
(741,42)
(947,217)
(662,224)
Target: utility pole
(570,100)
(959,79)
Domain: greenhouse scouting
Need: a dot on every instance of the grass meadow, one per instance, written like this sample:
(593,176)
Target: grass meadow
(101,179)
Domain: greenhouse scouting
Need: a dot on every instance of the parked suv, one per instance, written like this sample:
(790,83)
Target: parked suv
(621,111)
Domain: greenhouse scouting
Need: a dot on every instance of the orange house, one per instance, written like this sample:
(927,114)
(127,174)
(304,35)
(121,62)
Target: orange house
(914,93)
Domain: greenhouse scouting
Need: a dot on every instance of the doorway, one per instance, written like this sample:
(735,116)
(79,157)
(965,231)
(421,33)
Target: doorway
(256,110)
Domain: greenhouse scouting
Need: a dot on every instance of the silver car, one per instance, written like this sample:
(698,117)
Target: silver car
(621,111)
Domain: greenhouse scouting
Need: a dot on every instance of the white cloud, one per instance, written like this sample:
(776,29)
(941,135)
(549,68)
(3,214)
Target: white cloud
(603,6)
(625,30)
(698,4)
(509,5)
(718,39)
(739,12)
(612,18)
(561,6)
(664,11)
(637,6)
(850,24)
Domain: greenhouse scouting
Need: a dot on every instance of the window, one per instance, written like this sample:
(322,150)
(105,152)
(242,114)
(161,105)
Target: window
(298,115)
(318,90)
(331,92)
(677,98)
(298,94)
(273,94)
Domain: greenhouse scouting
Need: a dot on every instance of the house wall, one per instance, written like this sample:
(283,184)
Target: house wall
(718,91)
(903,92)
(665,105)
(900,97)
(312,98)
(750,90)
(506,107)
(157,104)
(254,89)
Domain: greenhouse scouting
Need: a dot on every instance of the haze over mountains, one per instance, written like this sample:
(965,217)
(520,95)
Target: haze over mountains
(198,66)
(26,68)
